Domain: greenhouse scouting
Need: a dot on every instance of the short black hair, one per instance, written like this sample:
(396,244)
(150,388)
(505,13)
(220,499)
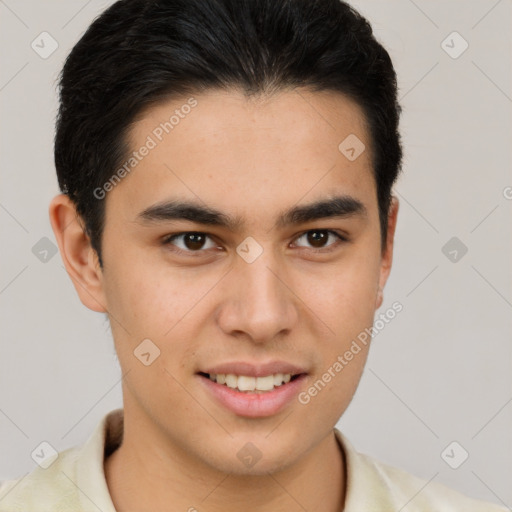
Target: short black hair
(139,52)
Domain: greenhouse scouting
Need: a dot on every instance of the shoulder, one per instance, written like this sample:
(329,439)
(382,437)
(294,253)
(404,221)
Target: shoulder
(73,482)
(426,495)
(42,490)
(374,486)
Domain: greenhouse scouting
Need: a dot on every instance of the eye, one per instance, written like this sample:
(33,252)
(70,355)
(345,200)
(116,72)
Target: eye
(317,238)
(190,241)
(197,242)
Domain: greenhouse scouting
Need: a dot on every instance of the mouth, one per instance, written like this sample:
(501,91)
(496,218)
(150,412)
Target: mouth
(251,392)
(251,384)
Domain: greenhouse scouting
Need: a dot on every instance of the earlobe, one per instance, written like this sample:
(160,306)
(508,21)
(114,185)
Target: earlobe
(79,258)
(379,299)
(387,256)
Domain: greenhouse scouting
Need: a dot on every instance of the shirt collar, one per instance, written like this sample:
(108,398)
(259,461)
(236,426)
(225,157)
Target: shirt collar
(90,475)
(365,485)
(367,488)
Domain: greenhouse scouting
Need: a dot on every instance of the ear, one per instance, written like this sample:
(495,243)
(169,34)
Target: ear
(79,258)
(387,255)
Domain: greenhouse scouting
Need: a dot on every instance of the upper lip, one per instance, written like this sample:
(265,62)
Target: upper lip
(255,369)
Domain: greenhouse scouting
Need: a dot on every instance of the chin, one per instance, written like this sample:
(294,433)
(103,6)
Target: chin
(247,459)
(263,467)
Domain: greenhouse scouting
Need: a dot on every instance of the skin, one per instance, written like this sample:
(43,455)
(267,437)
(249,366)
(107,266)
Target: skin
(252,159)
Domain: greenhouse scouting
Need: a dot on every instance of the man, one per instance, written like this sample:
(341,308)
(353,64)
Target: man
(226,170)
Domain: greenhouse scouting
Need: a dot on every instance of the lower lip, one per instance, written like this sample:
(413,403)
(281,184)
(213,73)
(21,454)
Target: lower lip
(254,405)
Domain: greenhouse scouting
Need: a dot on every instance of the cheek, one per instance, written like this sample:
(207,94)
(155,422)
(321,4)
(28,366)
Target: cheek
(345,301)
(162,305)
(344,295)
(149,300)
(330,392)
(150,325)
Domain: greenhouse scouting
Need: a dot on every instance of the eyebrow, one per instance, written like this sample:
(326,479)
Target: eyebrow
(335,207)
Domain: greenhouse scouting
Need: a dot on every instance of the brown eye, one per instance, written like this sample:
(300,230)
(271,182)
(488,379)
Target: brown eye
(194,241)
(318,238)
(190,241)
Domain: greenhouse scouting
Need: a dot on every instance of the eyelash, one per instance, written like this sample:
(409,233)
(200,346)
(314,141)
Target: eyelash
(167,240)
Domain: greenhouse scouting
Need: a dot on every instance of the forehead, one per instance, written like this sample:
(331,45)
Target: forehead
(223,149)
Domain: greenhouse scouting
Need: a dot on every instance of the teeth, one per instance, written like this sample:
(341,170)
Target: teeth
(231,381)
(247,383)
(265,383)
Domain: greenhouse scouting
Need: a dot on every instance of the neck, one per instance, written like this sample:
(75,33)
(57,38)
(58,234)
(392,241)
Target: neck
(139,477)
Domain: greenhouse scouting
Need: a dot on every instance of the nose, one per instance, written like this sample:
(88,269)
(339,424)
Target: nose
(258,302)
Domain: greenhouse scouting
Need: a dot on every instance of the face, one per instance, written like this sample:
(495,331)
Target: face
(242,257)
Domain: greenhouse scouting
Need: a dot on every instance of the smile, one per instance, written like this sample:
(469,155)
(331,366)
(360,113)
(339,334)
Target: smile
(247,383)
(253,396)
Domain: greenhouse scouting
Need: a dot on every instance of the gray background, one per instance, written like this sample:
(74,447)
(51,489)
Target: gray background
(439,372)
